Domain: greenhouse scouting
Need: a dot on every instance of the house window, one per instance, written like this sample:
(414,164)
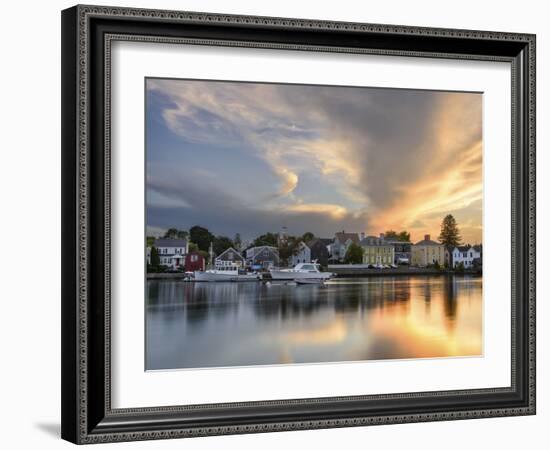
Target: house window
(194,258)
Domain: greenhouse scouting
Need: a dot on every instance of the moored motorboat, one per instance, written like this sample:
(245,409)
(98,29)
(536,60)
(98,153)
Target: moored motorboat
(226,272)
(302,271)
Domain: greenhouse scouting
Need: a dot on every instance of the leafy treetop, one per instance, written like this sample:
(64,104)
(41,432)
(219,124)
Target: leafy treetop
(450,234)
(354,255)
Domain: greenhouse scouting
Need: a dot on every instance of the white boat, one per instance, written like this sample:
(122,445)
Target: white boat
(302,271)
(226,272)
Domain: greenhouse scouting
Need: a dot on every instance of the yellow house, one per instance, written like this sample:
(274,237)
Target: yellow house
(376,250)
(427,252)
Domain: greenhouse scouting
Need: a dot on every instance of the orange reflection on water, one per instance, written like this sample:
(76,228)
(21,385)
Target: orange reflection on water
(399,319)
(437,320)
(330,333)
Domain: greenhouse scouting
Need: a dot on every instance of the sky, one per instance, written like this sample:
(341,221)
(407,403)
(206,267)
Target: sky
(250,158)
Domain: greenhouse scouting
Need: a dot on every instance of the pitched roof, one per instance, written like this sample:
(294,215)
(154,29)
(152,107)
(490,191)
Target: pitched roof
(478,248)
(343,237)
(255,251)
(463,248)
(427,242)
(168,242)
(323,241)
(230,249)
(396,242)
(371,240)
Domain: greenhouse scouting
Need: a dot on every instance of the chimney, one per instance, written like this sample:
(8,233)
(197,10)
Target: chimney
(426,237)
(382,236)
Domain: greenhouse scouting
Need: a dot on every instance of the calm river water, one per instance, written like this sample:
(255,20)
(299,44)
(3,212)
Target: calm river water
(192,325)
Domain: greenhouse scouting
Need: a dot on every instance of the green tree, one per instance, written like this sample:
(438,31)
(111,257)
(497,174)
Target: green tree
(403,236)
(221,244)
(174,233)
(150,241)
(193,247)
(450,234)
(266,239)
(171,233)
(201,236)
(354,255)
(155,259)
(289,248)
(308,236)
(391,235)
(206,256)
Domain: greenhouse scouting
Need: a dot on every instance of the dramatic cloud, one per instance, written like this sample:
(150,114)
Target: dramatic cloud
(250,158)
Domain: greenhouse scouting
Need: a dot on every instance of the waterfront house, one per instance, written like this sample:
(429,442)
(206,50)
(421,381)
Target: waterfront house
(171,252)
(377,251)
(302,255)
(231,256)
(401,251)
(465,255)
(194,261)
(263,257)
(478,260)
(319,250)
(340,245)
(427,252)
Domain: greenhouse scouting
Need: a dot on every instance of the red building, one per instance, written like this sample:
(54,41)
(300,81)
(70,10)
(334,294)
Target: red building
(194,261)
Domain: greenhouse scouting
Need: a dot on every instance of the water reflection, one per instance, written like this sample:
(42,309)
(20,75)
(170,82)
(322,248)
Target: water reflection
(192,325)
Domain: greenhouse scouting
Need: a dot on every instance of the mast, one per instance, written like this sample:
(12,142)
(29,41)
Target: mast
(211,252)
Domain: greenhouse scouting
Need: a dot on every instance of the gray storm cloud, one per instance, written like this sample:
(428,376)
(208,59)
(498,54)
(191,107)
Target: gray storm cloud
(379,149)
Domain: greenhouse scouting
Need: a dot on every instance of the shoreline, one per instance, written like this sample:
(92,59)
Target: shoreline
(347,272)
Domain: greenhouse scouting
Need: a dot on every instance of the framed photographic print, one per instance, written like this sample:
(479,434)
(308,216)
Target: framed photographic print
(278,224)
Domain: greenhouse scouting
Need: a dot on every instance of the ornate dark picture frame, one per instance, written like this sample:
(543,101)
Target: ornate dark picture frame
(87,34)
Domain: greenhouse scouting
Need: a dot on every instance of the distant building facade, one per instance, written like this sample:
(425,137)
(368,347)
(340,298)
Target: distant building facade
(319,250)
(303,255)
(401,251)
(478,261)
(263,257)
(467,255)
(171,252)
(376,251)
(427,252)
(231,256)
(340,245)
(194,261)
